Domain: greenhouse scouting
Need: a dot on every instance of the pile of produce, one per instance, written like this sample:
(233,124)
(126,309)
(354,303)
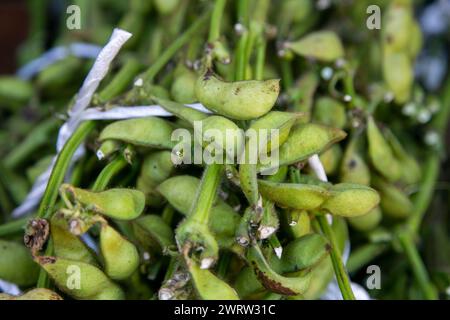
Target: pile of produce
(247,149)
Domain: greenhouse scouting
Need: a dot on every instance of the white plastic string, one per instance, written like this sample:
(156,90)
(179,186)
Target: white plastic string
(84,96)
(9,288)
(78,49)
(333,292)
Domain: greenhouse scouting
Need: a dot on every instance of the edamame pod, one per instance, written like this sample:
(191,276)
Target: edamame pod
(149,132)
(296,196)
(321,45)
(273,281)
(299,223)
(208,285)
(353,168)
(331,159)
(80,280)
(329,112)
(304,253)
(397,28)
(67,245)
(303,94)
(240,100)
(120,256)
(381,154)
(368,221)
(351,200)
(14,91)
(16,264)
(183,86)
(394,202)
(399,75)
(306,140)
(151,231)
(122,204)
(180,193)
(34,294)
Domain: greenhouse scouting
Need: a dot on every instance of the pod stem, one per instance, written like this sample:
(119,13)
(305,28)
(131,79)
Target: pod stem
(108,172)
(417,265)
(336,258)
(59,170)
(206,193)
(216,19)
(162,60)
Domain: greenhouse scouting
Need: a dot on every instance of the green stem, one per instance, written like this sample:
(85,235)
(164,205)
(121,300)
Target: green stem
(151,72)
(223,264)
(363,255)
(336,258)
(59,170)
(418,268)
(108,172)
(206,193)
(260,59)
(286,70)
(216,19)
(120,81)
(13,227)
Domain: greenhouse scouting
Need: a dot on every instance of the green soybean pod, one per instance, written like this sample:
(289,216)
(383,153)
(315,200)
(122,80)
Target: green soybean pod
(320,45)
(353,168)
(80,280)
(152,197)
(183,86)
(122,204)
(67,245)
(14,91)
(397,27)
(330,112)
(296,196)
(150,132)
(331,159)
(381,154)
(153,233)
(247,284)
(416,40)
(366,222)
(157,167)
(304,253)
(208,286)
(166,7)
(240,100)
(34,294)
(411,171)
(299,223)
(16,264)
(394,202)
(398,74)
(273,281)
(306,140)
(180,193)
(120,256)
(59,74)
(351,200)
(303,94)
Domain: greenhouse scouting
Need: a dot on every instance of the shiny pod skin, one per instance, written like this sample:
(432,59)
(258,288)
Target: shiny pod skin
(351,200)
(208,286)
(320,45)
(80,280)
(122,204)
(16,264)
(296,196)
(67,245)
(120,256)
(34,294)
(240,100)
(306,140)
(149,132)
